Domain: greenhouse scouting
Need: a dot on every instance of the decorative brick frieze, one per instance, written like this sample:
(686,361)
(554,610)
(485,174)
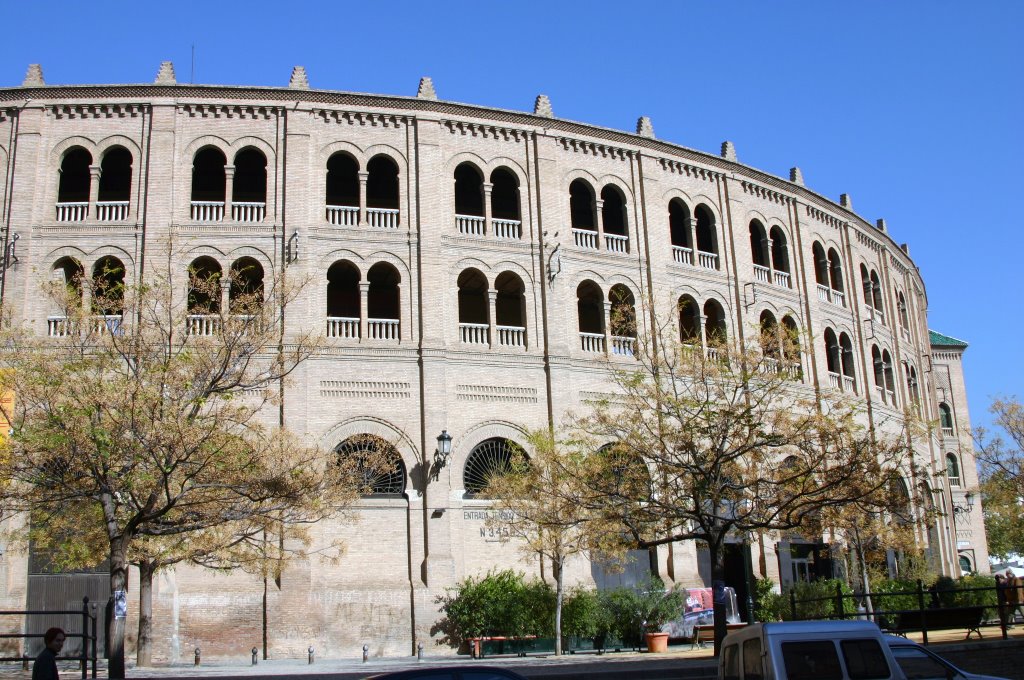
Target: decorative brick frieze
(594,149)
(485,131)
(496,394)
(373,119)
(68,111)
(768,194)
(688,170)
(824,217)
(229,111)
(867,241)
(365,389)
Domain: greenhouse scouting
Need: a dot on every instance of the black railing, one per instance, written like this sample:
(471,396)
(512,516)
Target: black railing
(87,653)
(963,608)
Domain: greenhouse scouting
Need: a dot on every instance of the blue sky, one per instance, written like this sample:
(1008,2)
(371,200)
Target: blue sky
(913,108)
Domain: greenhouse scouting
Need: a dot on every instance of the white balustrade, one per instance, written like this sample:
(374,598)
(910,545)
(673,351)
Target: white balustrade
(58,326)
(382,218)
(835,381)
(382,329)
(111,211)
(880,392)
(892,397)
(770,365)
(782,279)
(511,336)
(616,244)
(584,238)
(713,353)
(849,384)
(592,342)
(707,260)
(947,432)
(104,323)
(682,255)
(471,225)
(954,481)
(204,325)
(248,211)
(474,333)
(508,229)
(794,370)
(762,274)
(343,215)
(623,346)
(207,211)
(72,212)
(838,297)
(877,315)
(346,327)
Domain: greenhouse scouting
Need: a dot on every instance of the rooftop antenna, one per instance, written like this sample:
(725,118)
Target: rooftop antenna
(192,76)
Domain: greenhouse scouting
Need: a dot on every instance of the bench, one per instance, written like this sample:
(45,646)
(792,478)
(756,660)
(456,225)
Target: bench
(706,633)
(912,621)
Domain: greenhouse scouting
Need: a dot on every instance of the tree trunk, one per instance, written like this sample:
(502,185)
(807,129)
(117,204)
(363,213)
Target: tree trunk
(115,624)
(144,652)
(559,596)
(717,550)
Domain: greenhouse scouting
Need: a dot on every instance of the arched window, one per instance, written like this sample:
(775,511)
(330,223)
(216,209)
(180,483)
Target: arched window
(382,302)
(901,306)
(590,316)
(890,382)
(208,184)
(69,272)
(790,339)
(108,287)
(73,185)
(876,294)
(66,275)
(581,206)
(510,310)
(204,296)
(714,326)
(491,457)
(381,185)
(469,190)
(835,270)
(249,192)
(821,266)
(865,279)
(474,314)
(343,304)
(759,250)
(245,295)
(505,203)
(780,257)
(623,320)
(613,218)
(689,321)
(115,185)
(679,231)
(952,469)
(377,465)
(769,329)
(342,189)
(833,359)
(946,419)
(707,243)
(879,368)
(846,355)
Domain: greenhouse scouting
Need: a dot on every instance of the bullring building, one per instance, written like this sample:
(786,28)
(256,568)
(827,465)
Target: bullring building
(463,262)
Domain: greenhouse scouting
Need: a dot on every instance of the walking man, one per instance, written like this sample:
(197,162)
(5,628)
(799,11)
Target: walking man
(45,667)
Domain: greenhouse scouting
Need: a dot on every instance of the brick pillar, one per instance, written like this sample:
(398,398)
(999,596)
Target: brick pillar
(691,225)
(364,294)
(767,244)
(225,295)
(363,178)
(703,321)
(599,221)
(492,298)
(607,327)
(229,189)
(95,172)
(488,188)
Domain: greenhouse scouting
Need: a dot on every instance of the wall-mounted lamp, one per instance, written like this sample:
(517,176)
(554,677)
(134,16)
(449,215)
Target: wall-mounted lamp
(442,452)
(10,256)
(291,250)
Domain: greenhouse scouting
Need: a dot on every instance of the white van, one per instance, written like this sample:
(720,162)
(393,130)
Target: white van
(807,650)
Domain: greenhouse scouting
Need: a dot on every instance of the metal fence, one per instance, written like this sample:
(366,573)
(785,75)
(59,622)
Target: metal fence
(87,633)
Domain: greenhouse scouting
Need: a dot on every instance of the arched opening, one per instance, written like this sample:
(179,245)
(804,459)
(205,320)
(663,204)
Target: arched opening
(613,217)
(343,304)
(115,185)
(209,184)
(204,296)
(789,337)
(382,302)
(342,183)
(833,358)
(836,271)
(707,244)
(821,265)
(73,185)
(510,310)
(69,272)
(879,369)
(469,190)
(376,464)
(714,325)
(679,225)
(876,295)
(890,382)
(769,329)
(865,280)
(758,246)
(590,316)
(474,315)
(912,386)
(846,356)
(623,320)
(66,275)
(249,192)
(382,183)
(945,419)
(245,294)
(901,306)
(108,287)
(689,320)
(581,205)
(491,457)
(504,195)
(952,469)
(780,256)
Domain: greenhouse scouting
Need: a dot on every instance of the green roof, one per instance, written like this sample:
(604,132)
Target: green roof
(939,340)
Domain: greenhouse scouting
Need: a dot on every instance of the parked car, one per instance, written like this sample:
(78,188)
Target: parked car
(451,673)
(919,663)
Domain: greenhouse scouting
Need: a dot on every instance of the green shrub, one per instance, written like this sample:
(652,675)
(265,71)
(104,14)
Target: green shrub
(768,604)
(891,595)
(500,603)
(817,600)
(582,614)
(632,612)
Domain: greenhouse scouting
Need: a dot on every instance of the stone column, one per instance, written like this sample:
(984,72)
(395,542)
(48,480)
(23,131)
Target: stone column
(703,321)
(225,295)
(607,327)
(95,172)
(492,299)
(599,221)
(767,245)
(363,179)
(229,189)
(488,188)
(364,295)
(692,226)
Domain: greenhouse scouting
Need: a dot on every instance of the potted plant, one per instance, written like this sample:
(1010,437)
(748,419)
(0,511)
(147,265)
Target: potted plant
(659,606)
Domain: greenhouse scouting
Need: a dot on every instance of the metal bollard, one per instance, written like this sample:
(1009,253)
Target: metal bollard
(311,654)
(254,653)
(366,653)
(197,657)
(419,652)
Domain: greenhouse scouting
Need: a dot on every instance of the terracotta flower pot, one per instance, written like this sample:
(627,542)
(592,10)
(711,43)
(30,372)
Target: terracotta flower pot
(656,642)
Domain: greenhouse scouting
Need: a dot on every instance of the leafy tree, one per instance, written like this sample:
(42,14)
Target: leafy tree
(146,433)
(733,445)
(1002,478)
